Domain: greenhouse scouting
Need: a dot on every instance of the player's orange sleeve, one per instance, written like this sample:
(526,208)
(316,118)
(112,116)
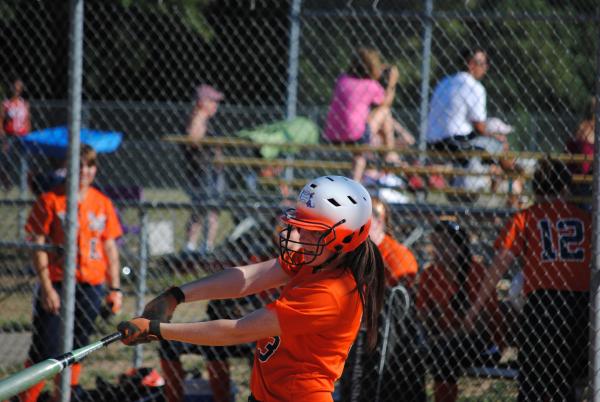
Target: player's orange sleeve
(511,238)
(113,226)
(399,261)
(41,217)
(306,310)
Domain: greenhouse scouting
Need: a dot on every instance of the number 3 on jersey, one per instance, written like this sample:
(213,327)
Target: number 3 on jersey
(570,240)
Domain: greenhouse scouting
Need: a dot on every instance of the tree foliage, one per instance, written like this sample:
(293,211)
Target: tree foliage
(191,9)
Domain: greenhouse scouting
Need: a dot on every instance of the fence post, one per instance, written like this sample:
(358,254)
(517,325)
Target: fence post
(140,289)
(294,51)
(292,83)
(67,310)
(425,70)
(595,271)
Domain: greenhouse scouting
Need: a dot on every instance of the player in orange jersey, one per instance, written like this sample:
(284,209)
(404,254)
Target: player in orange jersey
(333,278)
(97,262)
(553,239)
(400,263)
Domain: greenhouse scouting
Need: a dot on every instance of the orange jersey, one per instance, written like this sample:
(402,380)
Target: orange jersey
(435,293)
(554,241)
(319,315)
(399,261)
(98,222)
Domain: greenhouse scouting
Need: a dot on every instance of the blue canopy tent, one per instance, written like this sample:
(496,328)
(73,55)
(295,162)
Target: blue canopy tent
(53,141)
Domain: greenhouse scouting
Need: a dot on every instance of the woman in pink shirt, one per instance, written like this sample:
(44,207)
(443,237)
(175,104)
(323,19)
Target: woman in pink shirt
(351,118)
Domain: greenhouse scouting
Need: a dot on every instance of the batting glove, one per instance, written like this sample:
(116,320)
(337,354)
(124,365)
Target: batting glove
(161,308)
(139,330)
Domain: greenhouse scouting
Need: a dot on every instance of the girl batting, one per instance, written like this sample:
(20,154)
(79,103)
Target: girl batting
(333,278)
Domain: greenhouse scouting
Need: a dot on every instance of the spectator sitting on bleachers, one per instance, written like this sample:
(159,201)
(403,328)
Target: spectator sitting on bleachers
(458,111)
(553,240)
(351,119)
(446,290)
(583,143)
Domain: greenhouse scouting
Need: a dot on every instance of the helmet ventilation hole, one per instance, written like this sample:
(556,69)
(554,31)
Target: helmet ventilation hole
(348,238)
(352,200)
(334,202)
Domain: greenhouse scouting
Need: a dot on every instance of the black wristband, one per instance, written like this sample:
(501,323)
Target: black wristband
(154,328)
(177,293)
(114,289)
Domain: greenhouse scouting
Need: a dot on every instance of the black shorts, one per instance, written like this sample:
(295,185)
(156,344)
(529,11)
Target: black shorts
(554,339)
(46,339)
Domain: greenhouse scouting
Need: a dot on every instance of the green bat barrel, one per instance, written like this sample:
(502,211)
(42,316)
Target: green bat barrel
(48,368)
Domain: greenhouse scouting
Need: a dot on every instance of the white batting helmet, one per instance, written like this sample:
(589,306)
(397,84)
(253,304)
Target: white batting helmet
(335,205)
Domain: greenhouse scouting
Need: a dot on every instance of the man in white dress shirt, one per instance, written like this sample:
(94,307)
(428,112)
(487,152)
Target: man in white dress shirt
(458,107)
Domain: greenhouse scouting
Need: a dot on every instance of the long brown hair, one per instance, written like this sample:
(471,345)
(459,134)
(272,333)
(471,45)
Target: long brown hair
(366,264)
(366,63)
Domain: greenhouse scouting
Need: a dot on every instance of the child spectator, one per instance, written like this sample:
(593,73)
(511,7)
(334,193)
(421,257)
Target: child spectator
(97,264)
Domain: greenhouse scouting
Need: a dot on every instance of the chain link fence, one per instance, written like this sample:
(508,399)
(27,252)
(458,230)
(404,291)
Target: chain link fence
(209,117)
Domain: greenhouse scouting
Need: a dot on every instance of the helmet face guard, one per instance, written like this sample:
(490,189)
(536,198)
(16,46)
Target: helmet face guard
(297,253)
(336,207)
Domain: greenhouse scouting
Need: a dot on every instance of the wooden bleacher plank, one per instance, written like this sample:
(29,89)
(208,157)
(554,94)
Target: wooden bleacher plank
(241,142)
(404,170)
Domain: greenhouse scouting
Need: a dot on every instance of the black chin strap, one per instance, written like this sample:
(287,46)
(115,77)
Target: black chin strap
(326,262)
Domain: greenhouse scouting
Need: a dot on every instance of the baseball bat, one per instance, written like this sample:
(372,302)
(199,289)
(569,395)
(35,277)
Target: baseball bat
(32,375)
